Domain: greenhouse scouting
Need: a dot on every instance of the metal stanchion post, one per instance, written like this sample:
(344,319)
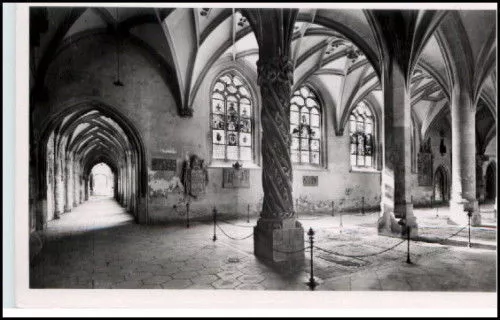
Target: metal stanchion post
(248,213)
(215,221)
(187,214)
(469,214)
(333,208)
(312,283)
(403,224)
(408,229)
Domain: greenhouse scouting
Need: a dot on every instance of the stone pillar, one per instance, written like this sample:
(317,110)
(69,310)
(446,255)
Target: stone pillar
(463,140)
(68,182)
(126,182)
(118,185)
(396,204)
(58,187)
(277,228)
(87,187)
(133,192)
(121,194)
(82,188)
(76,184)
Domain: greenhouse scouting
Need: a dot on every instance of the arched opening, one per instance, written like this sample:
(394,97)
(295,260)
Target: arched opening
(89,150)
(102,181)
(491,179)
(441,189)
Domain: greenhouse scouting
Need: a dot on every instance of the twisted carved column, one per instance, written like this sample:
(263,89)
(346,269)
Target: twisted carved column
(278,237)
(275,80)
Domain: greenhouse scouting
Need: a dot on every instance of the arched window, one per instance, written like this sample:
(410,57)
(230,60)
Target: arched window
(361,136)
(305,126)
(231,119)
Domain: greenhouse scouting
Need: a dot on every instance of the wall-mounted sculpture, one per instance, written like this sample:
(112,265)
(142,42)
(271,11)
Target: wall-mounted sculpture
(194,176)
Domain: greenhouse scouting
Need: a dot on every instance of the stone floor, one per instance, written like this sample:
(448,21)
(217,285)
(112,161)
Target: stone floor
(98,245)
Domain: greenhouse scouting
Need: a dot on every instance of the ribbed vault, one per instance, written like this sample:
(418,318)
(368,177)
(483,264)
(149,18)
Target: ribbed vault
(77,139)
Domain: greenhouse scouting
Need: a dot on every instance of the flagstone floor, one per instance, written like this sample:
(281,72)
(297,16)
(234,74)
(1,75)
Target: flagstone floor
(98,245)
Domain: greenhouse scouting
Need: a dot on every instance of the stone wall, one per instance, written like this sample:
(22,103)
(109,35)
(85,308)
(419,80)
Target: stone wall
(87,69)
(423,195)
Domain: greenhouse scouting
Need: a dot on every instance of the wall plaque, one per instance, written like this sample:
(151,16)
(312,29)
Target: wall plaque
(198,181)
(310,181)
(194,176)
(233,178)
(159,164)
(424,169)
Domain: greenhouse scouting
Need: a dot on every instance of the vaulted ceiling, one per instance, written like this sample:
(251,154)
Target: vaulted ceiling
(338,48)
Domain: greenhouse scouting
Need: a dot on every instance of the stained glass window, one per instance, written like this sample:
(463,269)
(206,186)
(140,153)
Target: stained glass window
(231,119)
(305,127)
(361,131)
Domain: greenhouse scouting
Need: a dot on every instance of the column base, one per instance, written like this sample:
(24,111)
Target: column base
(459,209)
(67,209)
(280,243)
(390,225)
(57,215)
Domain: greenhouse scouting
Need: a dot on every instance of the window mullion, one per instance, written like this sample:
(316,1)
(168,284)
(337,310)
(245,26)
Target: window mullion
(225,129)
(238,130)
(364,142)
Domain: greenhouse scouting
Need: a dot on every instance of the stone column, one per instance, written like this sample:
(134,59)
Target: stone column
(76,184)
(126,182)
(87,187)
(91,184)
(82,188)
(133,193)
(119,184)
(58,187)
(463,140)
(396,204)
(69,185)
(121,174)
(277,228)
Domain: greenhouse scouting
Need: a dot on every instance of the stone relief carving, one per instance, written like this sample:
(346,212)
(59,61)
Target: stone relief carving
(194,176)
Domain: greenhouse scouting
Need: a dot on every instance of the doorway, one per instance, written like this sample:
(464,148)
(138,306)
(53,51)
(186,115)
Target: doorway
(441,190)
(491,182)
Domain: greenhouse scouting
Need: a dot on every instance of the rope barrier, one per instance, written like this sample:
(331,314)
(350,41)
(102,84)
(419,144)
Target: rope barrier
(233,237)
(360,256)
(456,233)
(316,218)
(234,224)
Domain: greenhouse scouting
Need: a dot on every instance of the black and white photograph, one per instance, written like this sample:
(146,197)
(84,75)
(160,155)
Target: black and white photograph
(254,149)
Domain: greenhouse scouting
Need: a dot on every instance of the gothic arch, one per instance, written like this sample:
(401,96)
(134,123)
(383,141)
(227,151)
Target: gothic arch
(84,106)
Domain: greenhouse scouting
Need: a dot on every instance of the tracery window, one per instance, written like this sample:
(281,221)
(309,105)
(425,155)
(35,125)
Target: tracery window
(231,119)
(361,136)
(305,127)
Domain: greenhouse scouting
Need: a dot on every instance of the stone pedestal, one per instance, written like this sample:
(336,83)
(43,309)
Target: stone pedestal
(459,209)
(280,242)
